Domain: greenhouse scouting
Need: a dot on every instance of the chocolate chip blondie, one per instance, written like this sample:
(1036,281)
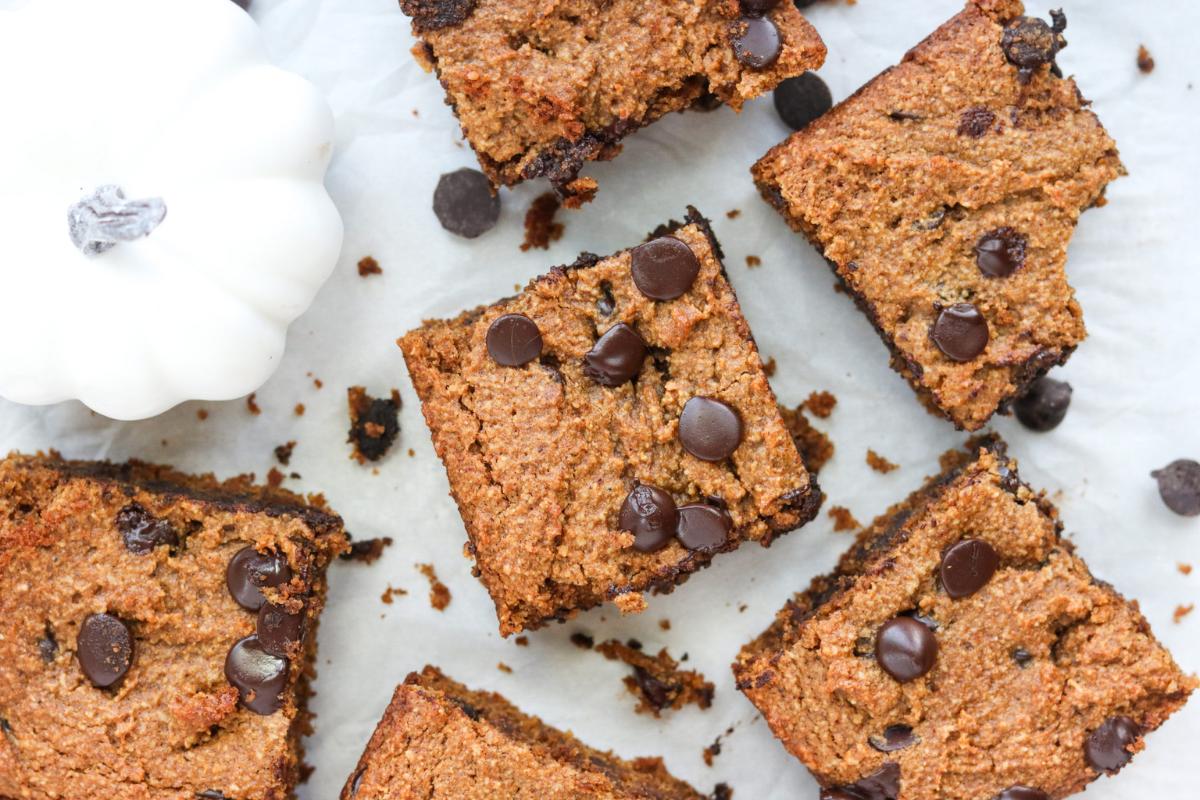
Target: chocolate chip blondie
(157,631)
(944,194)
(962,649)
(609,430)
(439,739)
(542,88)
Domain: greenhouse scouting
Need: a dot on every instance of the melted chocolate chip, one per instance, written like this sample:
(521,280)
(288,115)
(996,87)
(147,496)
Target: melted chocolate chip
(802,99)
(960,332)
(882,784)
(258,676)
(374,423)
(607,303)
(104,649)
(142,531)
(664,268)
(1107,747)
(48,645)
(250,571)
(514,340)
(278,629)
(895,737)
(434,15)
(756,41)
(1000,252)
(703,528)
(976,121)
(1179,486)
(905,648)
(709,429)
(649,513)
(756,8)
(1044,404)
(657,693)
(967,566)
(1029,43)
(617,356)
(464,203)
(1022,793)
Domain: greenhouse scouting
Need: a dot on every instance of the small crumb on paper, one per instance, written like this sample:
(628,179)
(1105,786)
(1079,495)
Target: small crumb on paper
(439,593)
(843,520)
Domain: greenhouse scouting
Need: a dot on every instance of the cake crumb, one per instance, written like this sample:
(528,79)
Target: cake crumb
(1182,611)
(298,410)
(367,266)
(582,640)
(815,447)
(505,668)
(1185,569)
(1145,61)
(540,227)
(821,404)
(664,624)
(753,261)
(879,463)
(366,551)
(657,681)
(843,520)
(392,592)
(411,452)
(770,367)
(733,213)
(275,478)
(521,641)
(714,749)
(252,405)
(374,423)
(202,414)
(742,608)
(283,453)
(439,593)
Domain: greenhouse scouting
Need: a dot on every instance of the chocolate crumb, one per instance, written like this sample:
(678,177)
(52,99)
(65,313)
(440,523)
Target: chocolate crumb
(712,751)
(769,367)
(368,266)
(366,551)
(664,624)
(275,478)
(505,668)
(540,227)
(1145,61)
(439,593)
(843,520)
(374,423)
(821,404)
(1182,611)
(742,608)
(411,452)
(201,414)
(879,463)
(298,410)
(251,405)
(753,261)
(722,792)
(390,592)
(521,641)
(283,453)
(733,213)
(657,681)
(582,640)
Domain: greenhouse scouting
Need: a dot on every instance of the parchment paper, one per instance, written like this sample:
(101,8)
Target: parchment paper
(1134,264)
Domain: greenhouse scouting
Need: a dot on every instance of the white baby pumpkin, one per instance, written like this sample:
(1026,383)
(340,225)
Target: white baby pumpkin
(163,216)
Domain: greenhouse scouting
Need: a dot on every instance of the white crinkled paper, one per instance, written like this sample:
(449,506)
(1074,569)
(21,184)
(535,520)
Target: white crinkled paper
(1134,264)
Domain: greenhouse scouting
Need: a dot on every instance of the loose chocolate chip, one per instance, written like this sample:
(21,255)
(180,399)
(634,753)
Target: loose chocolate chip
(249,571)
(48,645)
(104,649)
(514,340)
(650,515)
(617,356)
(1107,747)
(664,268)
(464,203)
(895,737)
(882,784)
(1029,43)
(258,676)
(142,531)
(967,566)
(374,423)
(905,648)
(1179,486)
(277,629)
(1044,404)
(709,429)
(703,528)
(756,41)
(1022,793)
(1022,656)
(802,99)
(756,8)
(960,332)
(1001,252)
(976,121)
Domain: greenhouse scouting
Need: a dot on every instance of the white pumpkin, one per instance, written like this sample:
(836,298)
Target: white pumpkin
(188,171)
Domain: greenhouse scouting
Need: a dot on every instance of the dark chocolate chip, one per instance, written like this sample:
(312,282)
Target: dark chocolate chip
(48,645)
(882,784)
(967,566)
(142,531)
(802,99)
(278,629)
(1107,747)
(709,429)
(607,303)
(650,515)
(249,571)
(468,709)
(657,693)
(841,793)
(1044,404)
(664,268)
(721,791)
(1179,486)
(756,41)
(104,649)
(258,676)
(703,528)
(374,423)
(434,15)
(617,356)
(756,8)
(1000,252)
(976,121)
(1022,656)
(960,332)
(894,737)
(211,794)
(905,648)
(1029,43)
(513,340)
(1022,793)
(464,203)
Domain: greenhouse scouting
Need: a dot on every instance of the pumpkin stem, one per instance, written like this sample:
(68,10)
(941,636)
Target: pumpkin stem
(102,219)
